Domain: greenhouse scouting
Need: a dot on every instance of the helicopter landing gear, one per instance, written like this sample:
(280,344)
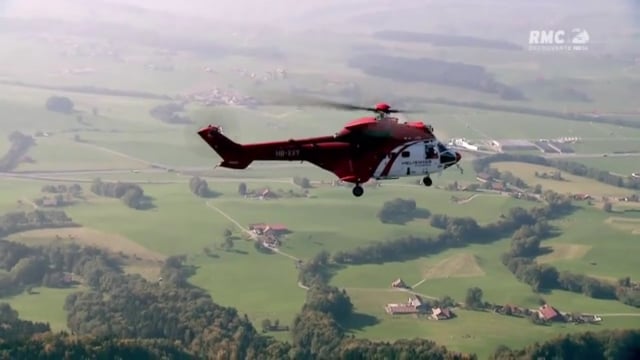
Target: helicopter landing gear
(357,190)
(427,181)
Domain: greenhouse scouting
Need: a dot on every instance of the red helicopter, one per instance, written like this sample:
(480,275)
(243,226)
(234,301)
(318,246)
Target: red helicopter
(379,147)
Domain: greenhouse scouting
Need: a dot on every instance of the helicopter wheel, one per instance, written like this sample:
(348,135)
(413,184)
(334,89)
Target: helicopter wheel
(427,181)
(357,190)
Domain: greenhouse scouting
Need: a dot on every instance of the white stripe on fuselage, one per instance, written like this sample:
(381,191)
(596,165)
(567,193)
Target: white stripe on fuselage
(414,165)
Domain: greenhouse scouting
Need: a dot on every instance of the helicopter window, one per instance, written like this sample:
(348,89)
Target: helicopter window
(406,154)
(441,147)
(430,152)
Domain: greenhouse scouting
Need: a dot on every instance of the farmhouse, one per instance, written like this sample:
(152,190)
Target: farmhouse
(414,305)
(399,284)
(513,145)
(581,197)
(484,177)
(266,229)
(549,313)
(441,313)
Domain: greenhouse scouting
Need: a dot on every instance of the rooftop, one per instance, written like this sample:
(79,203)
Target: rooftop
(275,227)
(548,312)
(514,142)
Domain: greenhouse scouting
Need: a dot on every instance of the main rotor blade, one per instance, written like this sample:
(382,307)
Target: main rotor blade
(300,100)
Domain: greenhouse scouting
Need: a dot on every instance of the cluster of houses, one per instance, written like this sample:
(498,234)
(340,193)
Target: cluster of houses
(218,96)
(269,234)
(546,313)
(268,194)
(372,183)
(276,74)
(416,306)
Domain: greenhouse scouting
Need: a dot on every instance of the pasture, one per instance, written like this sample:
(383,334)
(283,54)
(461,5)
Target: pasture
(571,184)
(608,246)
(44,304)
(618,165)
(135,258)
(471,331)
(625,224)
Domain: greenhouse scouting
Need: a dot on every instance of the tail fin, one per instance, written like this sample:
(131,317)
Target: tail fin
(233,154)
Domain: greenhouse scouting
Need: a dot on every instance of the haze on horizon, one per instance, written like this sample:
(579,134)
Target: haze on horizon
(492,18)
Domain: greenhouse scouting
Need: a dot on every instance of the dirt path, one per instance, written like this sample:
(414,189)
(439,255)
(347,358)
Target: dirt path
(117,153)
(460,202)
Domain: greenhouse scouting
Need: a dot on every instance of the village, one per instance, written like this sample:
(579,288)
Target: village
(560,145)
(271,237)
(417,307)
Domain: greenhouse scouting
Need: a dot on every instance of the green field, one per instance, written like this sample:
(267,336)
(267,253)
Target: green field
(623,166)
(122,140)
(44,304)
(571,183)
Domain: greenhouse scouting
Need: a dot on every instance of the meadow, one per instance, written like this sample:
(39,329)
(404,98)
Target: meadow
(123,137)
(569,184)
(624,166)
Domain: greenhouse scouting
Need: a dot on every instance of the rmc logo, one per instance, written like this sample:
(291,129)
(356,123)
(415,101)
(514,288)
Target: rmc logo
(556,40)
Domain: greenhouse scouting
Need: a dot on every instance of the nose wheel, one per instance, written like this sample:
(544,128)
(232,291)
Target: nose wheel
(357,190)
(427,181)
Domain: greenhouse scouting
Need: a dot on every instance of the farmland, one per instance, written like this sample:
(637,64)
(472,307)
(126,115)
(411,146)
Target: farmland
(115,138)
(568,184)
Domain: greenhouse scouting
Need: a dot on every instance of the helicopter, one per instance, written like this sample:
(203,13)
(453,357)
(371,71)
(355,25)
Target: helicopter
(379,147)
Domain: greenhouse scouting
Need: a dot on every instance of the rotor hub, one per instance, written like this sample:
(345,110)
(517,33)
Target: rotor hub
(383,107)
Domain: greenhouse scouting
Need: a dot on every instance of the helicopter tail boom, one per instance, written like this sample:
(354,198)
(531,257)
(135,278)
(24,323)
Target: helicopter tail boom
(233,155)
(240,156)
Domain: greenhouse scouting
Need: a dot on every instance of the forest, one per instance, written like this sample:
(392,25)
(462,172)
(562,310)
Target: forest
(600,119)
(20,144)
(170,113)
(472,77)
(125,315)
(445,40)
(132,195)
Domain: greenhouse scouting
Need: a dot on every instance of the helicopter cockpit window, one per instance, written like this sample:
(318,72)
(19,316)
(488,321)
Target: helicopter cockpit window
(441,147)
(430,152)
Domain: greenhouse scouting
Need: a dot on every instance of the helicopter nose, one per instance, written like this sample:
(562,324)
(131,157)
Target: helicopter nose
(458,157)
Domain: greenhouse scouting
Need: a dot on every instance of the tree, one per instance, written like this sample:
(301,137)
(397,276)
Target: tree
(399,211)
(303,182)
(473,300)
(200,187)
(242,189)
(329,300)
(59,104)
(227,244)
(607,207)
(227,233)
(266,325)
